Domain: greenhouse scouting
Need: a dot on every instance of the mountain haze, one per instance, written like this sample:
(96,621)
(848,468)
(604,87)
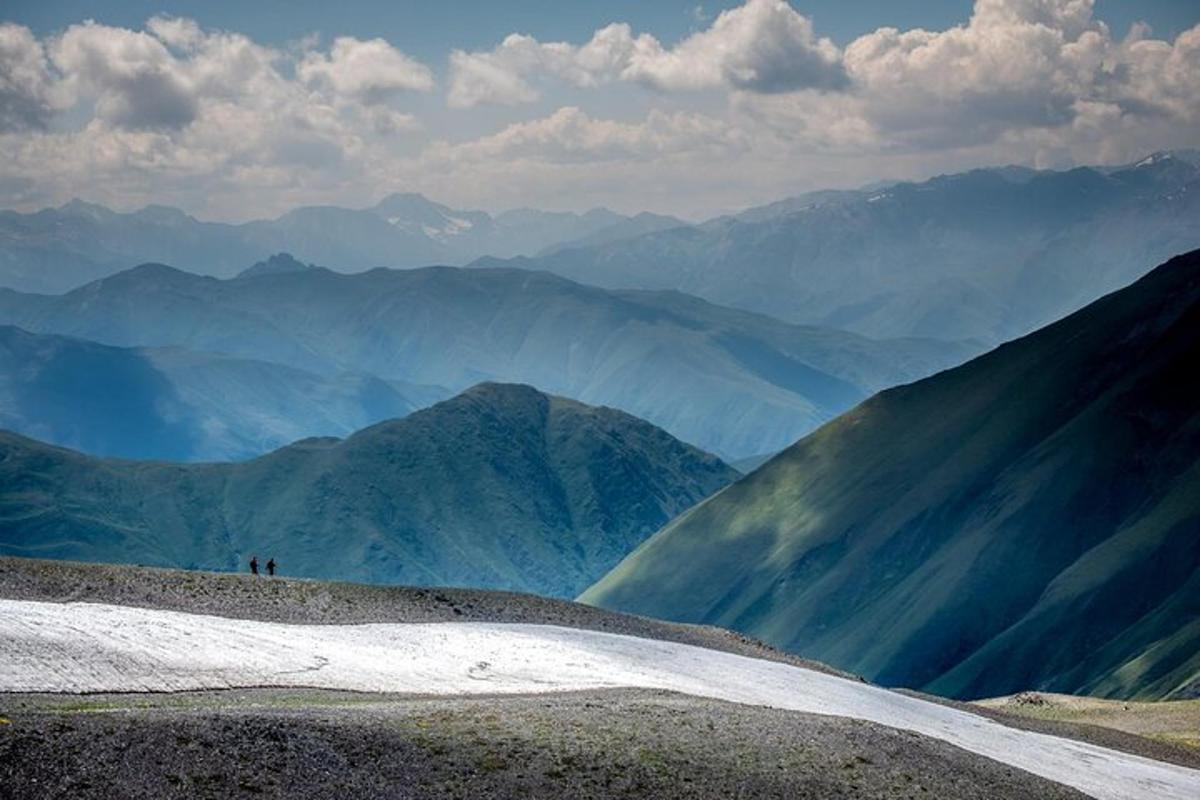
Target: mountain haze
(986,255)
(1029,520)
(176,404)
(501,487)
(57,249)
(731,382)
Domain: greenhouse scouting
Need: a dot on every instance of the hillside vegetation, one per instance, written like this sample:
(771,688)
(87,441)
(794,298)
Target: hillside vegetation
(1030,520)
(500,487)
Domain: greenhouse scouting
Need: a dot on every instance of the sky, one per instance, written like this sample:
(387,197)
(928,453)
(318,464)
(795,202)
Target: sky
(235,110)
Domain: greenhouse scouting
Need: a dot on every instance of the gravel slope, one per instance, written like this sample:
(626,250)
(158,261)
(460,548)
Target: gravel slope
(609,744)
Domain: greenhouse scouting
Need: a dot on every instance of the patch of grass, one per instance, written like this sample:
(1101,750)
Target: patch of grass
(492,762)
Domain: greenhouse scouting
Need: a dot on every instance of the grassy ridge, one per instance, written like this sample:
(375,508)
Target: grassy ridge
(501,487)
(1028,520)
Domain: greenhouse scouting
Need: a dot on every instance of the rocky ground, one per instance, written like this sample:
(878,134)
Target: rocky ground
(616,743)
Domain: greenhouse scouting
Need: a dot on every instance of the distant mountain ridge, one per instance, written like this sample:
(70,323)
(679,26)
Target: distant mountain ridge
(57,249)
(731,382)
(501,487)
(1029,520)
(984,255)
(275,265)
(177,404)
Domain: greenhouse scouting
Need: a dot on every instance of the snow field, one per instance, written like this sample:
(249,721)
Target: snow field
(84,647)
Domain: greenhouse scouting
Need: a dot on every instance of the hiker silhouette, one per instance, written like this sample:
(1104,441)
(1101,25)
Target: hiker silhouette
(254,565)
(271,567)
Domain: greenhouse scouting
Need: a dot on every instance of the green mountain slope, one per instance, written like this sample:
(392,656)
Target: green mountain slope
(1030,520)
(501,487)
(731,382)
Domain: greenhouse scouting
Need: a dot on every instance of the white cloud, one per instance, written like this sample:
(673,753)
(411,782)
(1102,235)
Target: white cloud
(177,32)
(754,105)
(370,70)
(763,46)
(570,135)
(131,75)
(1016,67)
(207,119)
(1035,70)
(28,97)
(503,75)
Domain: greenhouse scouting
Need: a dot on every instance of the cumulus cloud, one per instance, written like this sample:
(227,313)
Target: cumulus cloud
(762,46)
(756,103)
(1016,67)
(503,75)
(1039,70)
(132,76)
(28,97)
(174,111)
(571,135)
(370,70)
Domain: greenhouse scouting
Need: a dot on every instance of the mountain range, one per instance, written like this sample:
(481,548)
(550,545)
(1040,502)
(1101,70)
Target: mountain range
(57,249)
(176,404)
(500,487)
(985,255)
(732,382)
(1029,520)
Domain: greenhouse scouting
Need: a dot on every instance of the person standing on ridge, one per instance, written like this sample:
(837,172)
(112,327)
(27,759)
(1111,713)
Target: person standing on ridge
(271,567)
(253,565)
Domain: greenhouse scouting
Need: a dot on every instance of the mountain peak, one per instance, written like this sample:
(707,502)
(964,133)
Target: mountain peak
(163,215)
(1191,157)
(82,208)
(503,494)
(402,203)
(278,264)
(152,268)
(143,275)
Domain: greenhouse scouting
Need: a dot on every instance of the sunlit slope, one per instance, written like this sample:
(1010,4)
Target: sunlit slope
(1028,520)
(500,487)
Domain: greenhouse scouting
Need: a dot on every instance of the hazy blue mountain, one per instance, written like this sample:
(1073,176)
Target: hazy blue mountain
(275,265)
(732,382)
(985,255)
(56,249)
(171,403)
(501,487)
(1029,520)
(637,225)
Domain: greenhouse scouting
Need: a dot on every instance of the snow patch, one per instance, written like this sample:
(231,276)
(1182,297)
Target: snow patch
(84,647)
(453,227)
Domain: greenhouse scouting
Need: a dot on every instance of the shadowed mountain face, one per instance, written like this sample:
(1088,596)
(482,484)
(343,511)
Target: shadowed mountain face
(985,255)
(56,249)
(501,487)
(1028,520)
(170,403)
(731,382)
